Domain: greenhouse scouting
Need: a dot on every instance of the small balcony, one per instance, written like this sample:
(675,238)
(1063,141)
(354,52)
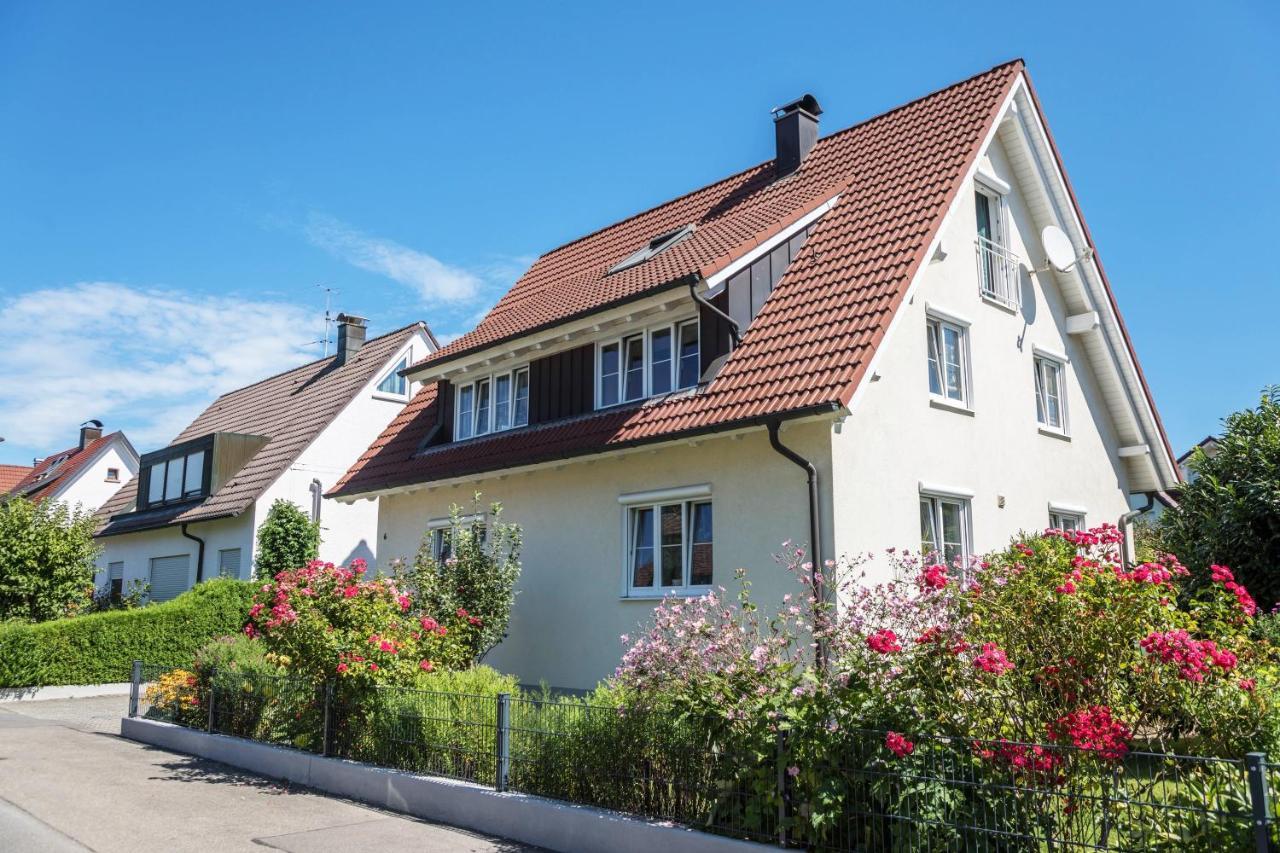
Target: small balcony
(998,273)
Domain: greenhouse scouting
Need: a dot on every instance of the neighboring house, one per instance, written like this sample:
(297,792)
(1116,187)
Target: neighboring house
(194,510)
(83,476)
(907,362)
(12,475)
(1209,444)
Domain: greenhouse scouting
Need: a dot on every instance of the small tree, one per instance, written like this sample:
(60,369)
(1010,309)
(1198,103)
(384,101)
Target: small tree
(46,560)
(1230,513)
(476,581)
(287,539)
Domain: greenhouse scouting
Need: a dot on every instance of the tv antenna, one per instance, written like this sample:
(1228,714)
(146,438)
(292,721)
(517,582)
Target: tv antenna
(329,293)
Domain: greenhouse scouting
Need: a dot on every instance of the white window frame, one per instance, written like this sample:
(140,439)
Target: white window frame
(686,497)
(1059,512)
(406,359)
(1041,359)
(962,498)
(489,413)
(942,320)
(645,334)
(438,527)
(222,569)
(113,475)
(996,192)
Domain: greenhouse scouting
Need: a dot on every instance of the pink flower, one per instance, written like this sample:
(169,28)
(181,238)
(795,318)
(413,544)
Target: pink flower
(1067,588)
(351,592)
(250,630)
(387,646)
(373,667)
(992,659)
(1093,729)
(898,744)
(404,602)
(342,667)
(426,665)
(884,642)
(1221,574)
(1247,684)
(793,771)
(429,624)
(933,577)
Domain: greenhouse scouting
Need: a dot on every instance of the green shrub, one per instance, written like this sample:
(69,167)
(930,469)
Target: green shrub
(287,539)
(100,648)
(46,560)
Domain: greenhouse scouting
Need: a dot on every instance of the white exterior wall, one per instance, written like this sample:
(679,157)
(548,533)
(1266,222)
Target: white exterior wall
(137,549)
(89,488)
(347,531)
(895,438)
(570,610)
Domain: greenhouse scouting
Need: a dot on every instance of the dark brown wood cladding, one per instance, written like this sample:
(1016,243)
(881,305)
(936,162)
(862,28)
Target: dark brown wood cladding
(562,385)
(714,334)
(444,414)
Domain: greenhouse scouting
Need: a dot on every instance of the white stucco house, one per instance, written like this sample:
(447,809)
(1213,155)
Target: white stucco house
(194,510)
(83,476)
(856,344)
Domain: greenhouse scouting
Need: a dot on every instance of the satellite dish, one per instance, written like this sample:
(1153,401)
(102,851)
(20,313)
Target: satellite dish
(1059,250)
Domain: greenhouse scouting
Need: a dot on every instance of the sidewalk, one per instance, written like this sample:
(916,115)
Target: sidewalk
(68,784)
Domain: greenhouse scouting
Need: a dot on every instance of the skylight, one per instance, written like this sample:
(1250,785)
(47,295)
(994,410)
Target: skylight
(656,246)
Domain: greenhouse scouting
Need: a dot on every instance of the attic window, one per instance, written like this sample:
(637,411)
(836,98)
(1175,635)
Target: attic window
(656,246)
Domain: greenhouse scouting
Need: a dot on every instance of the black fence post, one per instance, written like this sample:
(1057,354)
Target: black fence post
(502,741)
(326,729)
(135,687)
(1260,800)
(782,788)
(213,689)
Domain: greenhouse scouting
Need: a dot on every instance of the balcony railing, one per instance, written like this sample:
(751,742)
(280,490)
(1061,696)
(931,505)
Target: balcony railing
(998,273)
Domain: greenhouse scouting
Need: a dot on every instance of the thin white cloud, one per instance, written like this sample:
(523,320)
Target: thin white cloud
(143,360)
(431,278)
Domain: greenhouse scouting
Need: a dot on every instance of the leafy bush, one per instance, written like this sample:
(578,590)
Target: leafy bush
(100,647)
(477,579)
(46,560)
(1230,512)
(287,539)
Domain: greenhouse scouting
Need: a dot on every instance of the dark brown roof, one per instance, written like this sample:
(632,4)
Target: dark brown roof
(290,408)
(56,469)
(806,351)
(12,475)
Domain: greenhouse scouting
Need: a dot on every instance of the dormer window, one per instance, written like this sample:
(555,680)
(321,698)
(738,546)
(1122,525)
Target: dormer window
(495,403)
(393,384)
(647,363)
(656,246)
(175,474)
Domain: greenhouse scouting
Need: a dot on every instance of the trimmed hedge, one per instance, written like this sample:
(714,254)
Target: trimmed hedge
(100,648)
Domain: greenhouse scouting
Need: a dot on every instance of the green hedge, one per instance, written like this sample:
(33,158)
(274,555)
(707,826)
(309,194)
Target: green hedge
(100,648)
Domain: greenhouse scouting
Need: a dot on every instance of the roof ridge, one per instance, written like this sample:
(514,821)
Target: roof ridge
(314,363)
(762,163)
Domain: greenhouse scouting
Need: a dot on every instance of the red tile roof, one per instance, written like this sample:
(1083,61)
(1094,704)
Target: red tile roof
(806,350)
(290,408)
(11,475)
(58,468)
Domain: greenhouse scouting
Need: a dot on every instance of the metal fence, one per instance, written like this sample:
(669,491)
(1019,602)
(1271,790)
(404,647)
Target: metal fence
(857,795)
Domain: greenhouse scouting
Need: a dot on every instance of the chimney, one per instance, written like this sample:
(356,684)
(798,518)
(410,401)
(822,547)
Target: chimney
(90,431)
(795,127)
(351,332)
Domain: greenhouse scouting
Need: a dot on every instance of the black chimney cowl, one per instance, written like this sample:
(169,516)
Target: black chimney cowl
(795,128)
(351,334)
(90,431)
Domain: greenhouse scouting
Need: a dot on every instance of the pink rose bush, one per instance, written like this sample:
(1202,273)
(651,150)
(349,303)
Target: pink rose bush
(326,621)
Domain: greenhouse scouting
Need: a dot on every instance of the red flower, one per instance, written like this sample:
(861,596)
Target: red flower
(426,665)
(898,745)
(1221,574)
(429,624)
(1067,588)
(342,667)
(885,642)
(1093,729)
(1247,684)
(992,659)
(933,577)
(351,592)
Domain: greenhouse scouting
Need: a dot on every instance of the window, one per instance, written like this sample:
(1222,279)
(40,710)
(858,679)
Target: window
(669,546)
(999,271)
(113,475)
(655,246)
(229,563)
(170,576)
(641,365)
(1064,520)
(948,361)
(179,478)
(115,580)
(493,404)
(393,384)
(441,533)
(1050,407)
(944,527)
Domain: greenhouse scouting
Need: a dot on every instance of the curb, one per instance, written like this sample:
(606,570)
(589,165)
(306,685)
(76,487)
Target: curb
(67,691)
(539,821)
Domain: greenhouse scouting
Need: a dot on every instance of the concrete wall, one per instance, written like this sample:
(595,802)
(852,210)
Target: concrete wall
(895,438)
(571,610)
(90,488)
(347,531)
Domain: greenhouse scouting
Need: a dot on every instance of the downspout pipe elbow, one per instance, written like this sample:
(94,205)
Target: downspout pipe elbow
(1126,537)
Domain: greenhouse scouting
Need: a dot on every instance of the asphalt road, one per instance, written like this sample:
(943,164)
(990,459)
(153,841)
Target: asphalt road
(68,782)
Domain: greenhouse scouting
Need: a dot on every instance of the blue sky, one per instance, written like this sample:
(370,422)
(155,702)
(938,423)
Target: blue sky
(176,180)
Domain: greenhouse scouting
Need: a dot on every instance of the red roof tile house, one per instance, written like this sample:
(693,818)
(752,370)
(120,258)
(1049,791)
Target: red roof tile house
(194,510)
(858,343)
(12,475)
(83,476)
